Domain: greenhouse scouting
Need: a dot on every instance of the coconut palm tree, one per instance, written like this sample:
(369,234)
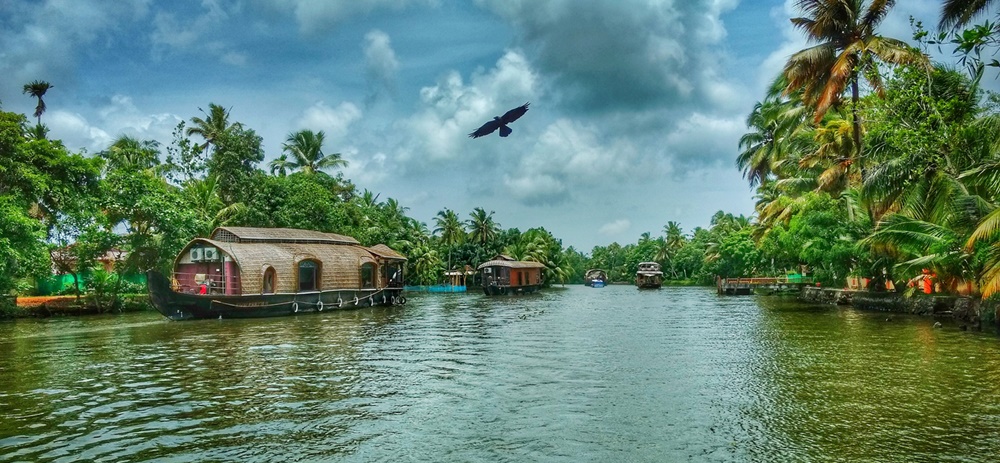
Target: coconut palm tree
(306,148)
(847,50)
(280,165)
(130,153)
(775,126)
(674,235)
(450,228)
(958,13)
(203,194)
(37,89)
(482,228)
(215,123)
(833,156)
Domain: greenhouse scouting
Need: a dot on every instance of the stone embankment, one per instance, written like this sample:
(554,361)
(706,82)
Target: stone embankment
(969,313)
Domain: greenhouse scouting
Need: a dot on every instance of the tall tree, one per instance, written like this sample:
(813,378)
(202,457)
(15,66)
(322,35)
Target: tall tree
(306,148)
(280,165)
(130,153)
(482,228)
(958,13)
(450,229)
(37,89)
(215,123)
(848,48)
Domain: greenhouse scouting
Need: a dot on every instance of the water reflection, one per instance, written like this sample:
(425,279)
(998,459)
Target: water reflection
(576,374)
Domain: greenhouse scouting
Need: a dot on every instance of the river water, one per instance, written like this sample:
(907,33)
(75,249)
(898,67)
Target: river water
(569,375)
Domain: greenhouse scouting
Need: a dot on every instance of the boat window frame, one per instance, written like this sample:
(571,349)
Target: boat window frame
(372,275)
(269,271)
(317,274)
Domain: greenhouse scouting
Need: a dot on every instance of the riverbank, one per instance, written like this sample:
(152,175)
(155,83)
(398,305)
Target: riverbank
(968,313)
(54,306)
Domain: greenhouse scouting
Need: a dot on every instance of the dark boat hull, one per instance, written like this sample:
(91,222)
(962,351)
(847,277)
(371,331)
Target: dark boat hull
(182,306)
(648,282)
(502,290)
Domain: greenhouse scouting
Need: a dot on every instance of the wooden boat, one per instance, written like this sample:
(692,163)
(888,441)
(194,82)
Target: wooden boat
(504,275)
(595,278)
(648,275)
(246,272)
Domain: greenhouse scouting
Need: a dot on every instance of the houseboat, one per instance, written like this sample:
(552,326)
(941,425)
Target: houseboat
(595,278)
(504,275)
(246,272)
(648,275)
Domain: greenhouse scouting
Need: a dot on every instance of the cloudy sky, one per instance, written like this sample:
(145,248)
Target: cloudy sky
(636,105)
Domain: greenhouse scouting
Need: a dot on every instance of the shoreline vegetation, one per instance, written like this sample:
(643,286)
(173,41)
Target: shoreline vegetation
(867,160)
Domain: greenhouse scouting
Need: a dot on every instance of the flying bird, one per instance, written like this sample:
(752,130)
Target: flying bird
(500,122)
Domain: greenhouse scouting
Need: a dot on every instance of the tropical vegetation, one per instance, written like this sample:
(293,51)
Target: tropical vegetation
(867,159)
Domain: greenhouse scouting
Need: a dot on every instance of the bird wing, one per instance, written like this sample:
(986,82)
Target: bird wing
(486,129)
(512,115)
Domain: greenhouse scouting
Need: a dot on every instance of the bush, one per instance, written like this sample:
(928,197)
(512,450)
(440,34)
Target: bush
(9,308)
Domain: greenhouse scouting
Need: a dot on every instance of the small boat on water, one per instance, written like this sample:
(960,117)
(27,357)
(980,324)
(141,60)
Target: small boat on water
(595,278)
(248,272)
(649,275)
(504,275)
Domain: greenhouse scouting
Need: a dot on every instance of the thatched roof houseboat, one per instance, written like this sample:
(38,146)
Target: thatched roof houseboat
(649,275)
(257,272)
(504,275)
(595,277)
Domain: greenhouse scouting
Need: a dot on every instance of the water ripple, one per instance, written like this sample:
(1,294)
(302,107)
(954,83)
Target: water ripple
(575,374)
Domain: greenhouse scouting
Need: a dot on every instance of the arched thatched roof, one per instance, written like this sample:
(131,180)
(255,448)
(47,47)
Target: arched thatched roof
(339,264)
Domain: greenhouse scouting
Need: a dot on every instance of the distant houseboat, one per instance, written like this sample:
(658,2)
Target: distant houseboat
(595,277)
(504,275)
(245,272)
(649,275)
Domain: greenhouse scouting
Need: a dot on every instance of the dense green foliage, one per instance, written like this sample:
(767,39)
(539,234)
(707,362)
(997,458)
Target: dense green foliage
(884,184)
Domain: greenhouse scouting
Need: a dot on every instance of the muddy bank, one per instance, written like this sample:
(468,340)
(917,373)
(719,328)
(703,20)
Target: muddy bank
(968,313)
(54,306)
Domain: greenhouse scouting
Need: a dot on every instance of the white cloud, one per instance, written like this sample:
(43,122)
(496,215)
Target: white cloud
(631,54)
(615,228)
(118,117)
(452,109)
(536,189)
(705,139)
(381,65)
(314,16)
(76,132)
(335,122)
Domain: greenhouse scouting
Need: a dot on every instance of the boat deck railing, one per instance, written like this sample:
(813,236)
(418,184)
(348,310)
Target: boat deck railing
(186,282)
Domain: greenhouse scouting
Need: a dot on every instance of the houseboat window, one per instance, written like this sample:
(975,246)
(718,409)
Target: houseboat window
(269,276)
(308,276)
(368,275)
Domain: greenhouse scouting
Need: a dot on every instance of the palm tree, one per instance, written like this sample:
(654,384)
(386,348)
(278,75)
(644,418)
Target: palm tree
(674,235)
(774,126)
(306,147)
(451,230)
(369,199)
(215,123)
(426,263)
(958,13)
(130,153)
(848,49)
(280,165)
(482,228)
(833,157)
(37,89)
(208,205)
